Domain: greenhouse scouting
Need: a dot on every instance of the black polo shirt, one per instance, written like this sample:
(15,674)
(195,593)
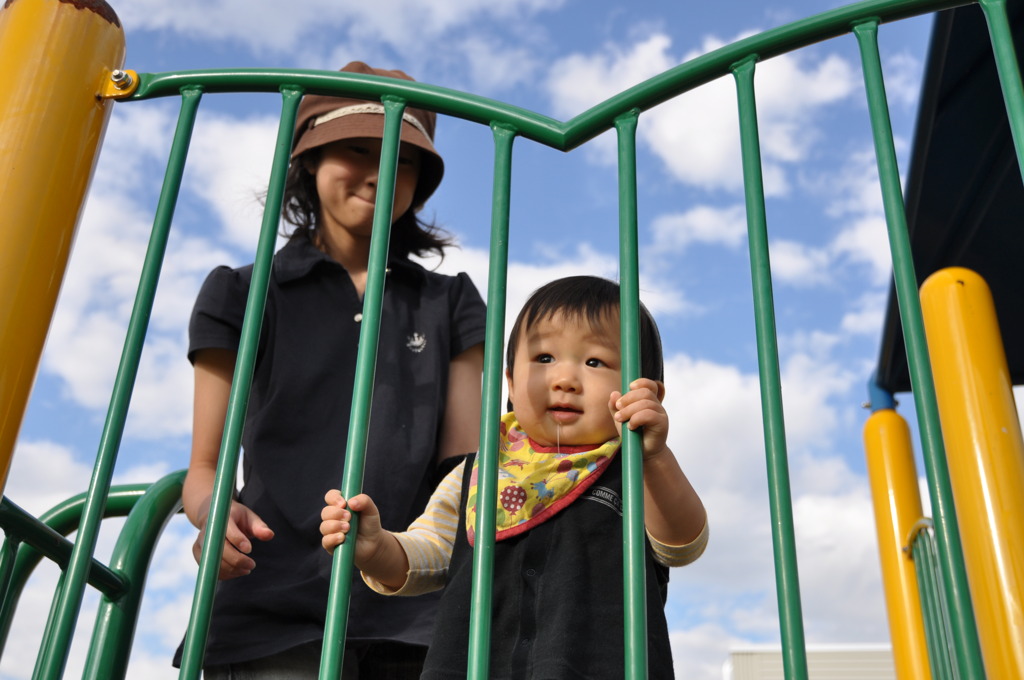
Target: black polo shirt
(296,428)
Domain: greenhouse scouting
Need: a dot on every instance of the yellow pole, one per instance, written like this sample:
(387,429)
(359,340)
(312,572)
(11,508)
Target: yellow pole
(897,503)
(986,457)
(55,58)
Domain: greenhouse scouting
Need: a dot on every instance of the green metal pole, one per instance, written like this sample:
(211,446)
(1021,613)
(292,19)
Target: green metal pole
(951,563)
(1009,70)
(634,574)
(936,632)
(238,399)
(362,389)
(787,581)
(117,616)
(478,667)
(53,655)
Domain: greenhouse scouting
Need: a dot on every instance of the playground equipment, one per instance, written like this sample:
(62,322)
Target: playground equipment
(949,610)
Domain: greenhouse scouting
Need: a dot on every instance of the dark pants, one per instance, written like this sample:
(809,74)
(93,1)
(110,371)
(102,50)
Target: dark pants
(363,661)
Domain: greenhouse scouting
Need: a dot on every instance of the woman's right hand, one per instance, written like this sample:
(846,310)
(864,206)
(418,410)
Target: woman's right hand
(243,526)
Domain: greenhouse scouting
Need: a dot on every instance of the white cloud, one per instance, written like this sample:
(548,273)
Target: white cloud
(90,323)
(799,264)
(699,652)
(866,314)
(866,241)
(230,163)
(703,224)
(263,25)
(696,134)
(903,73)
(659,296)
(43,474)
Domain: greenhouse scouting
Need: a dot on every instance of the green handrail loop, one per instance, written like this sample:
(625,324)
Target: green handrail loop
(238,399)
(53,654)
(116,617)
(478,664)
(950,550)
(63,519)
(52,545)
(779,493)
(634,572)
(362,390)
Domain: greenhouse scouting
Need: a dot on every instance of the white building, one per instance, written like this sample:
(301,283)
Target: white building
(824,662)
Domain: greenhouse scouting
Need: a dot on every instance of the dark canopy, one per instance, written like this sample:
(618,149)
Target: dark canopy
(964,195)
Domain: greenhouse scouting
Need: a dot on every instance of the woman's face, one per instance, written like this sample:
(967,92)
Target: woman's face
(346,182)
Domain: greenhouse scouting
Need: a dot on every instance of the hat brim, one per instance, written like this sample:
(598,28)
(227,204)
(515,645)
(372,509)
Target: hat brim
(371,125)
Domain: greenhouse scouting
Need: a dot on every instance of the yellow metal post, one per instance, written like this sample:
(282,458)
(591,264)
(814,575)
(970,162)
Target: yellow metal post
(897,503)
(55,57)
(986,457)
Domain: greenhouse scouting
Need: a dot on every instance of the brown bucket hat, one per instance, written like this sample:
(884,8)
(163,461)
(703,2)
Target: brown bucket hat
(322,120)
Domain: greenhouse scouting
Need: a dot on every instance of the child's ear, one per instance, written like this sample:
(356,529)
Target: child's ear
(508,381)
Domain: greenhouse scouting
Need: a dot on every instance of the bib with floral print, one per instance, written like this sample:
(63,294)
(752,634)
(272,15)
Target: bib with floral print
(535,482)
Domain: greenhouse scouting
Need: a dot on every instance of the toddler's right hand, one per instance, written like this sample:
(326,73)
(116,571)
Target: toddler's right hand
(336,523)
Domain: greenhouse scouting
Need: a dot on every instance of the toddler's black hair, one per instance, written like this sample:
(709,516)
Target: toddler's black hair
(591,299)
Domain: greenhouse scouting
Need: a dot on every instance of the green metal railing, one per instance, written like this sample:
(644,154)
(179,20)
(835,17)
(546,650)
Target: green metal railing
(934,608)
(622,113)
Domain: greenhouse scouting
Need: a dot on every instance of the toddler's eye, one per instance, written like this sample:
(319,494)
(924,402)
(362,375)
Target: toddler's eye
(594,362)
(544,359)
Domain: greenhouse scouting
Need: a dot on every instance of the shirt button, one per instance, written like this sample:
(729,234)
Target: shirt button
(531,572)
(358,317)
(525,642)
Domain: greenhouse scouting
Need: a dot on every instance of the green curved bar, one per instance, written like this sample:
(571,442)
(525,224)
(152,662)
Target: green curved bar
(20,560)
(563,136)
(116,618)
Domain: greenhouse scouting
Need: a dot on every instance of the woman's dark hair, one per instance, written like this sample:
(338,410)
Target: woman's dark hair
(300,207)
(591,299)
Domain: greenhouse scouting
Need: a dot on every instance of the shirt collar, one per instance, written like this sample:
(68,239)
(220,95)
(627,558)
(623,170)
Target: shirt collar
(299,257)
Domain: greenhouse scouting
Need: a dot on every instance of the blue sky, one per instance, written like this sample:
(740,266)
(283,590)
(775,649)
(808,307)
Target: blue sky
(557,57)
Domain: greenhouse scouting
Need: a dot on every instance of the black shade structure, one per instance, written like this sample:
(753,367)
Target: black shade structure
(964,195)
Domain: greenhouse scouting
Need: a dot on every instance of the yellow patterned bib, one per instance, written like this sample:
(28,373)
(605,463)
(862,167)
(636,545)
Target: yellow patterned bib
(535,482)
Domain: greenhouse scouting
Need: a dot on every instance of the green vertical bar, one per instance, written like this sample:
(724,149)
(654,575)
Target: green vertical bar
(952,570)
(1009,70)
(634,575)
(53,654)
(238,399)
(787,580)
(478,665)
(936,637)
(362,388)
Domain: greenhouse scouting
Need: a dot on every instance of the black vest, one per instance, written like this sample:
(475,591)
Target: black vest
(558,597)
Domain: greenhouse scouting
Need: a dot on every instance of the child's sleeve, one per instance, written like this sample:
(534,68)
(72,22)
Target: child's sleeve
(679,555)
(429,540)
(216,321)
(467,313)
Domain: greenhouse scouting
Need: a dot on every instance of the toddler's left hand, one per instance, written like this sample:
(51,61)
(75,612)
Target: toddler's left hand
(641,407)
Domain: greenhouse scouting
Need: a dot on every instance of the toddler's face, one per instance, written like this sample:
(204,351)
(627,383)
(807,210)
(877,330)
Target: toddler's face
(564,372)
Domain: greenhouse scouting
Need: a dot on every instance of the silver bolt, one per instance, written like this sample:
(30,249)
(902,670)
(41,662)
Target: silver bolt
(122,79)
